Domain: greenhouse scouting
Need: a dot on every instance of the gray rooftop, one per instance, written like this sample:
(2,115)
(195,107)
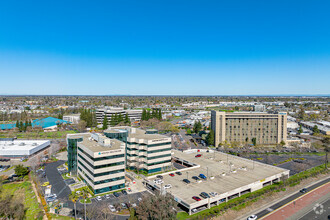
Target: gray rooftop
(214,164)
(95,146)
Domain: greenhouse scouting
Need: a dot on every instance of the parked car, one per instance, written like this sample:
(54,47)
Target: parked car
(124,192)
(304,190)
(171,174)
(167,186)
(98,198)
(116,194)
(186,181)
(139,199)
(202,176)
(159,176)
(112,208)
(158,181)
(252,217)
(51,198)
(107,196)
(204,195)
(123,205)
(196,198)
(213,194)
(198,155)
(178,173)
(194,210)
(195,177)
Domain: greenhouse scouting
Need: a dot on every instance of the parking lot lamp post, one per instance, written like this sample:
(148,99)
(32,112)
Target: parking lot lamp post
(207,172)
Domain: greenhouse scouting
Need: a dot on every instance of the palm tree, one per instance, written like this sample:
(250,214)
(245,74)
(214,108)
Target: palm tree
(73,197)
(84,194)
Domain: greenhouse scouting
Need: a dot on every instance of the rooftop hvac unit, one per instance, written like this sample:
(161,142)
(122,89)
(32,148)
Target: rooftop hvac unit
(21,144)
(34,144)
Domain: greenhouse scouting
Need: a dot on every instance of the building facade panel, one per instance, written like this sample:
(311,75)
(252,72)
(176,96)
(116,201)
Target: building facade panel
(243,127)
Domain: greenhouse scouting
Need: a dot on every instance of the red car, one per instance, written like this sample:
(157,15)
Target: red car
(196,198)
(198,155)
(171,174)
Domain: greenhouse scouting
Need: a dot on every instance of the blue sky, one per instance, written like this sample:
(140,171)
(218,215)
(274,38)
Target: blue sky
(169,47)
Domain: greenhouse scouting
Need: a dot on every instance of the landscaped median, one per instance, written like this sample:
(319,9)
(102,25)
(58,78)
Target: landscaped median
(249,198)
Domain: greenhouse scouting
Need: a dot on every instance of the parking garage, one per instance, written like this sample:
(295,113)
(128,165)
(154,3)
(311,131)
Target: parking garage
(227,176)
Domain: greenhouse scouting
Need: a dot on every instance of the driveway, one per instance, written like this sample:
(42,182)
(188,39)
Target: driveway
(59,187)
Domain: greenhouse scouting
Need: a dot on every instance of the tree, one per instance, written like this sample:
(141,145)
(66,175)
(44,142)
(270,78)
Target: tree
(148,115)
(81,126)
(144,115)
(73,198)
(210,138)
(301,113)
(282,143)
(21,171)
(316,129)
(127,121)
(197,127)
(84,195)
(105,122)
(113,120)
(157,207)
(159,114)
(326,145)
(300,130)
(119,118)
(254,141)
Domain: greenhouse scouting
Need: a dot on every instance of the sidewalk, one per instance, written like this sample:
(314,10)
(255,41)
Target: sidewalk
(299,205)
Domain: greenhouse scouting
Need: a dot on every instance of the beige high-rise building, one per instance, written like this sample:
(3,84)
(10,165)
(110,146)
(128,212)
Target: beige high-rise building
(244,126)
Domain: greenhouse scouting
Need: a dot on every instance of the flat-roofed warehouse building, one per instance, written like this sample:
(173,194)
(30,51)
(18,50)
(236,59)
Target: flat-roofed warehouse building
(227,175)
(98,160)
(19,148)
(244,126)
(145,150)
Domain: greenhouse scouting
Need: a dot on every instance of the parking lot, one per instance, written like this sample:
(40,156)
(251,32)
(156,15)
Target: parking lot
(129,200)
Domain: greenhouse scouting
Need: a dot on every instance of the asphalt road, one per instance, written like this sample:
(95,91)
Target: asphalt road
(289,199)
(320,212)
(59,187)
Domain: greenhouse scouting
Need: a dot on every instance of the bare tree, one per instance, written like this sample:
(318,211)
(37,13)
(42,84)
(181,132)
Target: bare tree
(157,207)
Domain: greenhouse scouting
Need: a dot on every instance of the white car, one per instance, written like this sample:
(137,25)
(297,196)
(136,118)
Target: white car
(134,205)
(107,196)
(167,186)
(139,199)
(98,198)
(112,208)
(194,210)
(252,217)
(159,181)
(213,194)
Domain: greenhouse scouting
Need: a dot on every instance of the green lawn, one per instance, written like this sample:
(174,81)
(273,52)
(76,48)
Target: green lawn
(37,135)
(24,191)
